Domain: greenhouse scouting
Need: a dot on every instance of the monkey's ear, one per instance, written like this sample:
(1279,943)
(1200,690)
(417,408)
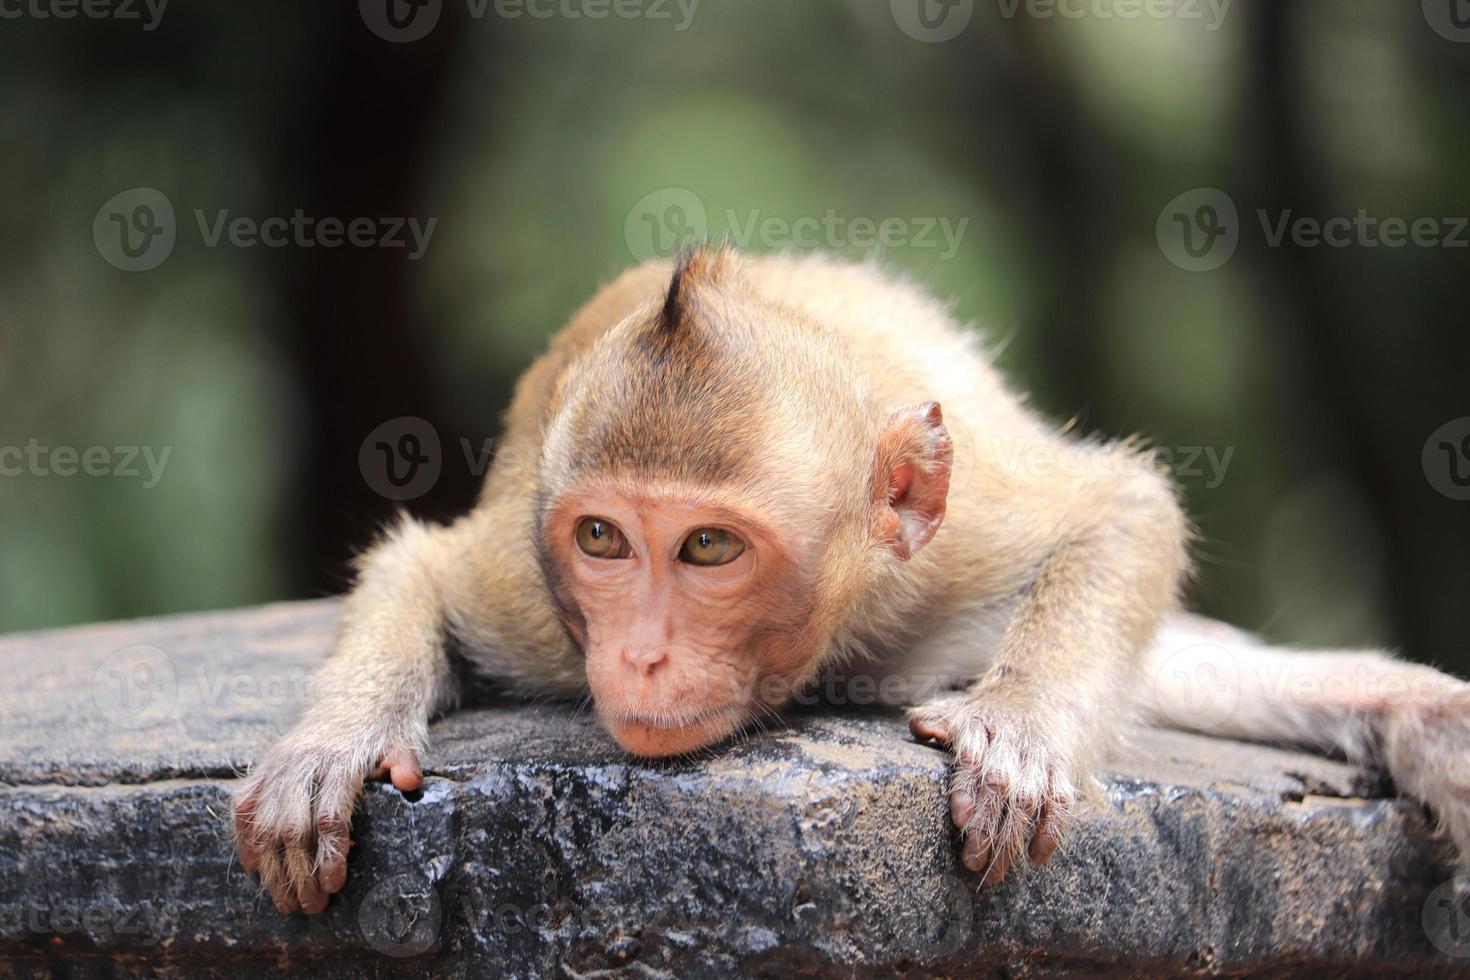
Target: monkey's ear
(911,478)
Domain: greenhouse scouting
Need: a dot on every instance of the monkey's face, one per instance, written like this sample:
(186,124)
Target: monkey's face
(690,611)
(715,492)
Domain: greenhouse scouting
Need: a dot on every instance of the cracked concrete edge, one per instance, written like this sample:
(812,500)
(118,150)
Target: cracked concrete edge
(536,868)
(538,848)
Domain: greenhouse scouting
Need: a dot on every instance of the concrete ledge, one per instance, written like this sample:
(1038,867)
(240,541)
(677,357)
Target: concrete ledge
(537,849)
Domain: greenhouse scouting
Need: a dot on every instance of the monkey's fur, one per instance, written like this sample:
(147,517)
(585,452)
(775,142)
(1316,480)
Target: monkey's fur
(803,391)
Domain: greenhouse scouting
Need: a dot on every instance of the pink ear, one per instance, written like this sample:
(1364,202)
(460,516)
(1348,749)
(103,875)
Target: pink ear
(911,478)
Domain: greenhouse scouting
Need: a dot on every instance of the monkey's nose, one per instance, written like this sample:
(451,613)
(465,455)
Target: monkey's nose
(645,660)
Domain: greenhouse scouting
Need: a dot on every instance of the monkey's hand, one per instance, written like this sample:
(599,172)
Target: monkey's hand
(1426,746)
(1011,790)
(293,812)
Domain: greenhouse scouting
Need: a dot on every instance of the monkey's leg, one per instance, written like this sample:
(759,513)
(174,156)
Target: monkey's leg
(1032,729)
(1411,719)
(371,701)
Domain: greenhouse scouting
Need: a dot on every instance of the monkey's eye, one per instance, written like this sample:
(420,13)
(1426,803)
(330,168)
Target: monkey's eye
(601,539)
(710,546)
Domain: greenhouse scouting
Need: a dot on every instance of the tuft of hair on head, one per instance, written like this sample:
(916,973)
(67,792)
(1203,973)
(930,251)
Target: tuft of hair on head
(695,266)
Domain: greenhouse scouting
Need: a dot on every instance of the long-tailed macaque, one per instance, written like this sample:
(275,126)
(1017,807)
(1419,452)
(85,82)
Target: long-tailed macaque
(731,476)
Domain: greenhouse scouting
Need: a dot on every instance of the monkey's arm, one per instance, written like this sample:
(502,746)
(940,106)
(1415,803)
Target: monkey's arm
(389,671)
(369,710)
(387,674)
(1031,729)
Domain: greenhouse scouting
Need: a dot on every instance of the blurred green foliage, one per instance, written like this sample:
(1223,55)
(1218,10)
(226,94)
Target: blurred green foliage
(1056,141)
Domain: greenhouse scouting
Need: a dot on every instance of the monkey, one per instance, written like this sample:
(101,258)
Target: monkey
(732,474)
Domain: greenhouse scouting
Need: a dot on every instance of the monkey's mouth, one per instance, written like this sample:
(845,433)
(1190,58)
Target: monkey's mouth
(658,734)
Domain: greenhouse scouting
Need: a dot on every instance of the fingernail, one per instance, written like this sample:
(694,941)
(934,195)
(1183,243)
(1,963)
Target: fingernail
(961,809)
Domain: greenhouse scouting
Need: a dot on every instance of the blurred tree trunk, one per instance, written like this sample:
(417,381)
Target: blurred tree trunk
(356,142)
(1370,374)
(1027,123)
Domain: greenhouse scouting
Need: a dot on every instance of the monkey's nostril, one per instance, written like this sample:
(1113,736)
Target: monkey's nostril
(645,661)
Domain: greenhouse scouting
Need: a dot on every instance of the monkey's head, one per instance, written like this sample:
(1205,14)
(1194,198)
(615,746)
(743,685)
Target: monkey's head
(717,492)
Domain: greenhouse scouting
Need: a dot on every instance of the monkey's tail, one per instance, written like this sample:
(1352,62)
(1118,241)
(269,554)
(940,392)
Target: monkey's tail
(1410,719)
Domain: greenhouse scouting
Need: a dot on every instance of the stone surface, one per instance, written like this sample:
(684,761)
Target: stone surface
(537,848)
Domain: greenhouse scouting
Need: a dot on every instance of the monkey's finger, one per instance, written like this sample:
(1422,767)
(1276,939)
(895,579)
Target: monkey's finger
(331,854)
(1000,863)
(975,855)
(401,768)
(335,799)
(302,878)
(961,808)
(980,831)
(1048,831)
(313,899)
(404,771)
(929,728)
(246,845)
(1010,839)
(273,877)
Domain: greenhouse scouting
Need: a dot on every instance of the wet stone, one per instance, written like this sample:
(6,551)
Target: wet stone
(536,848)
